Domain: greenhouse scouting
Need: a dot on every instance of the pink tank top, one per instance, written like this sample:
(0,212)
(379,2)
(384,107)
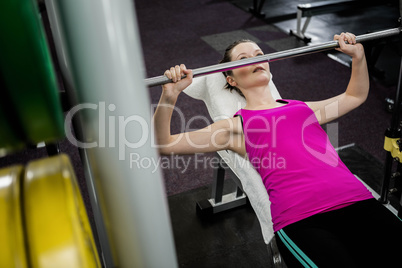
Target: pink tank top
(299,167)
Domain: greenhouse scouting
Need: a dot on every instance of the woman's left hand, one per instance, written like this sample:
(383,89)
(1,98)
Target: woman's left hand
(353,49)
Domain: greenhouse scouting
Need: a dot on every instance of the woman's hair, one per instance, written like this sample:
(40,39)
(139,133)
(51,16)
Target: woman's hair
(227,57)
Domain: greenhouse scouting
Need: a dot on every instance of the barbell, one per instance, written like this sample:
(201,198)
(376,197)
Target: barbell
(290,53)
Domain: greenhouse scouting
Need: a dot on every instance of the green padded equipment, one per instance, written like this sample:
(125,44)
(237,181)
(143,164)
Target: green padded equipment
(30,96)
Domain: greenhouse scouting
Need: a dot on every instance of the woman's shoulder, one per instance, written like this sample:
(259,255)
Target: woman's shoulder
(233,124)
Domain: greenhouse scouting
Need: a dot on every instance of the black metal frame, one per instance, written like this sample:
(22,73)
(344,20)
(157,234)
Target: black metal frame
(394,131)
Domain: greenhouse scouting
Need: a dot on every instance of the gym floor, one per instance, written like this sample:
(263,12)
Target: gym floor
(196,33)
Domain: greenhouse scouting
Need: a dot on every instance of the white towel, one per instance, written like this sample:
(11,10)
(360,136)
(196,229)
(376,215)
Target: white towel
(221,104)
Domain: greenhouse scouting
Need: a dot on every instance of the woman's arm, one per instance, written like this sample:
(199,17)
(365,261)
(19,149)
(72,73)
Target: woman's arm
(220,135)
(357,90)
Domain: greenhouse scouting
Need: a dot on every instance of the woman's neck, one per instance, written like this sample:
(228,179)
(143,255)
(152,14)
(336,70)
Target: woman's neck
(259,98)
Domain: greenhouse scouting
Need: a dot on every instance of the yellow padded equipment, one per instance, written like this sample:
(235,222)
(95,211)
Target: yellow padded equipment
(57,226)
(12,246)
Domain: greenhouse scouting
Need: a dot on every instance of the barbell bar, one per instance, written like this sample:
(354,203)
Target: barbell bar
(290,53)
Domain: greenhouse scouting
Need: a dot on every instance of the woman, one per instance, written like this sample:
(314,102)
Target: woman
(322,215)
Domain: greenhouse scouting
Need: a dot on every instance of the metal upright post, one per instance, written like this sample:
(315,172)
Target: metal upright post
(392,132)
(106,62)
(62,54)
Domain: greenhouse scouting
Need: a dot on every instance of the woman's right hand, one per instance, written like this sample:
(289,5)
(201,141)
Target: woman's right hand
(353,49)
(172,90)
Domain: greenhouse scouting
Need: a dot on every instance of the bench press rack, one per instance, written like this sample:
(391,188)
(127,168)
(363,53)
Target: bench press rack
(393,146)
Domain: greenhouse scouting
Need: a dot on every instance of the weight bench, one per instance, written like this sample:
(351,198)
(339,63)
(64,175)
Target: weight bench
(318,8)
(325,7)
(309,10)
(223,104)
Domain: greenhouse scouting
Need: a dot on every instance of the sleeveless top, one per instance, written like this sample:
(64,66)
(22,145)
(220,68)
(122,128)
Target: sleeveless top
(299,167)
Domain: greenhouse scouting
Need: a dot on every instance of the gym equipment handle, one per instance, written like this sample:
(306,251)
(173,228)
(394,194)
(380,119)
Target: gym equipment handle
(161,80)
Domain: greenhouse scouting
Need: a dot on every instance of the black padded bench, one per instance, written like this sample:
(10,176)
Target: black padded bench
(325,7)
(310,9)
(319,8)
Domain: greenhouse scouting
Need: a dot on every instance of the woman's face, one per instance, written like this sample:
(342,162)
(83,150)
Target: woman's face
(253,75)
